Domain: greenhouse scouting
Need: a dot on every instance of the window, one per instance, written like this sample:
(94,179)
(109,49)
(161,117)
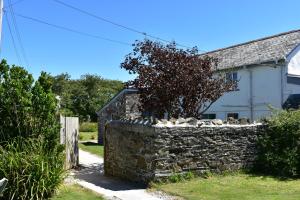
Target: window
(233,115)
(209,116)
(293,80)
(232,77)
(292,102)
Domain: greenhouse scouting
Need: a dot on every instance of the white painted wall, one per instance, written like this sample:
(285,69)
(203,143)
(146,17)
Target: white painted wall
(293,69)
(269,88)
(293,62)
(266,91)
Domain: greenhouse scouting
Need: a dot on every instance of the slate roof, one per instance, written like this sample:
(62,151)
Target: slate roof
(273,48)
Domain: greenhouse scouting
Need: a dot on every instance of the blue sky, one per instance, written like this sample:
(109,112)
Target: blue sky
(209,24)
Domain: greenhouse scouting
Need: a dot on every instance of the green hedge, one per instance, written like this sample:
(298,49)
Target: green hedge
(32,172)
(88,127)
(279,148)
(31,157)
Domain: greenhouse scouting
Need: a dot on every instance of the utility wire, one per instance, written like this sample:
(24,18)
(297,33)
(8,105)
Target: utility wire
(72,30)
(12,4)
(13,40)
(114,23)
(18,33)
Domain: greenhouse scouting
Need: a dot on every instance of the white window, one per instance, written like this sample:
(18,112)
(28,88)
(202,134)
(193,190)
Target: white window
(232,77)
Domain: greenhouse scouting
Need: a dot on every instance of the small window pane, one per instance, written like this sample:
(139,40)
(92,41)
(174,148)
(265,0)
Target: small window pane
(228,76)
(233,115)
(209,116)
(234,76)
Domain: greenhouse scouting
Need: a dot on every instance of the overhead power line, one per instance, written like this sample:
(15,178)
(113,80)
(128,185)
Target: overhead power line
(13,40)
(71,30)
(12,4)
(18,33)
(114,23)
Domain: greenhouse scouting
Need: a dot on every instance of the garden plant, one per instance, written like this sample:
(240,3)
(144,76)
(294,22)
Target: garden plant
(31,157)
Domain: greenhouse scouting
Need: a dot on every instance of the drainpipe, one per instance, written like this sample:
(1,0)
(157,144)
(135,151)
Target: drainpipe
(281,83)
(251,95)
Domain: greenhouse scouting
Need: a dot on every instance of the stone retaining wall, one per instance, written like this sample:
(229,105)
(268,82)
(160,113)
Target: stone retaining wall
(143,153)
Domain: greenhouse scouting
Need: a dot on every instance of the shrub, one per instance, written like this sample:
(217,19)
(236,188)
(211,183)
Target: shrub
(27,108)
(176,177)
(88,127)
(30,154)
(279,148)
(32,172)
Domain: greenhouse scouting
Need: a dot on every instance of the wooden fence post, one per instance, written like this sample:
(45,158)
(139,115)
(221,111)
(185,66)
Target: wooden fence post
(69,136)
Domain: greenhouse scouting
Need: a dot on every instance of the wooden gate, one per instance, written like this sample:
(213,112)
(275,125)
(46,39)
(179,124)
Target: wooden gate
(69,136)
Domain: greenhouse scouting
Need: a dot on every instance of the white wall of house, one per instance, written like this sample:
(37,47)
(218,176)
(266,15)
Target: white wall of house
(268,87)
(292,70)
(293,62)
(253,97)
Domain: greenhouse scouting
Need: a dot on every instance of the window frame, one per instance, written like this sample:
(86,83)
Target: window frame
(232,76)
(232,113)
(209,114)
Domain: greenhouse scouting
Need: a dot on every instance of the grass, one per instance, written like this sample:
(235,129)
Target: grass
(234,187)
(88,127)
(84,136)
(71,192)
(92,147)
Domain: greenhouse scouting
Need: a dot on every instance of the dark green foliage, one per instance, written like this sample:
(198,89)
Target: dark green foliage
(30,154)
(33,173)
(83,97)
(15,102)
(27,109)
(279,148)
(88,127)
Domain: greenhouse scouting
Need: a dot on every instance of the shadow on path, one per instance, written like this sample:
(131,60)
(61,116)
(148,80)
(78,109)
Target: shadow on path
(94,174)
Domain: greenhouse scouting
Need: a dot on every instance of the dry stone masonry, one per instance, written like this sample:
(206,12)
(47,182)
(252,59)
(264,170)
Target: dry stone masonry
(138,151)
(124,105)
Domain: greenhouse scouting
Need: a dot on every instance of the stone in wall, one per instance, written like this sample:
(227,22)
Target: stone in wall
(123,106)
(143,153)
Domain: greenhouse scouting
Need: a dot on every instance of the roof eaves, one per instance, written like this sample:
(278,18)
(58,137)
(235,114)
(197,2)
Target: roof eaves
(127,90)
(273,62)
(250,42)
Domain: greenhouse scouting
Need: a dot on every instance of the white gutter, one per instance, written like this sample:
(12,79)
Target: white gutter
(281,84)
(251,95)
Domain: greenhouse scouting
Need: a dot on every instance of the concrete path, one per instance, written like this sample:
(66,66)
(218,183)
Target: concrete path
(91,177)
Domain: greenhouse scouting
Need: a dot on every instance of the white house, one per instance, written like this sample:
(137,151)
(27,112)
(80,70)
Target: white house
(268,74)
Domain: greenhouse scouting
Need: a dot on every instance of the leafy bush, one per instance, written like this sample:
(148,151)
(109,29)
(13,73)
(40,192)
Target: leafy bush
(33,173)
(88,127)
(279,148)
(27,108)
(30,154)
